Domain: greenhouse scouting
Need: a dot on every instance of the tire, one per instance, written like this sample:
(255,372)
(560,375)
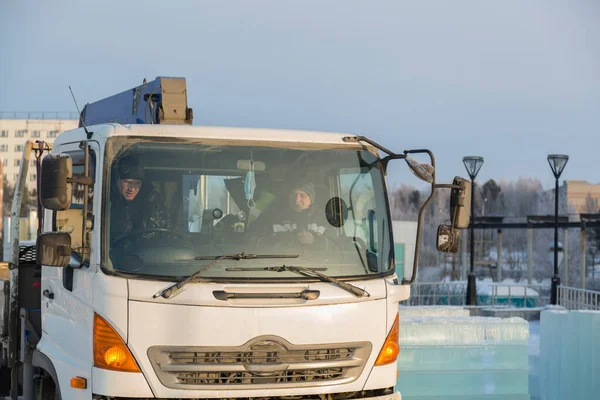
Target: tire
(4,381)
(49,390)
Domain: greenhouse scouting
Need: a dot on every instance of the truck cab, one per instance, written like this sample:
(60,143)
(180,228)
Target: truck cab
(182,261)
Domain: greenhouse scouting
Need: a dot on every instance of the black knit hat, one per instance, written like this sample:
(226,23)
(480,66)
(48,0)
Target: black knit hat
(130,168)
(308,188)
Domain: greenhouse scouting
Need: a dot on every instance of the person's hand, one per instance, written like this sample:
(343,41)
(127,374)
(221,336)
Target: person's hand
(306,237)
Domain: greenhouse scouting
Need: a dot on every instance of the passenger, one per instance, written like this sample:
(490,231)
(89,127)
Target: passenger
(298,221)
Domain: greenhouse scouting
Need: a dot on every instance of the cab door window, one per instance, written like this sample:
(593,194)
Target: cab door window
(207,197)
(71,220)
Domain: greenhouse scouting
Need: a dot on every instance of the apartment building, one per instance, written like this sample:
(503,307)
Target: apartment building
(14,133)
(583,196)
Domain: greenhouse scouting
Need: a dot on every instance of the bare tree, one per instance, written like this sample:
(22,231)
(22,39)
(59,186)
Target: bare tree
(29,200)
(514,200)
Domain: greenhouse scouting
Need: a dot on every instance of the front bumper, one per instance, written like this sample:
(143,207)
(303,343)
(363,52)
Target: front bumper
(377,394)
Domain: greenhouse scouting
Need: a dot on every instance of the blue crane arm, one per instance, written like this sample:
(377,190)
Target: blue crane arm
(161,101)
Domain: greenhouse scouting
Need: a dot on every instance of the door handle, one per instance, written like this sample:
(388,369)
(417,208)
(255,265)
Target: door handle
(48,294)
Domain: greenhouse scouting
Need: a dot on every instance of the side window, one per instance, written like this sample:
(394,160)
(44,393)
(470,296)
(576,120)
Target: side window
(205,193)
(399,255)
(71,220)
(367,216)
(356,189)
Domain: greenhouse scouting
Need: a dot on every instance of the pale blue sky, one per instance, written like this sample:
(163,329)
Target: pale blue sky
(509,80)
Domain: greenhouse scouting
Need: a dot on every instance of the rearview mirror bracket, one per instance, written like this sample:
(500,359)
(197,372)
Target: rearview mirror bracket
(448,236)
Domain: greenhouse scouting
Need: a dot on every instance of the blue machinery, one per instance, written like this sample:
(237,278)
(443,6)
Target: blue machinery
(161,101)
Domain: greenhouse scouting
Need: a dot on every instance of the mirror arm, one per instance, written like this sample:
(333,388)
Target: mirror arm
(418,241)
(421,216)
(385,160)
(82,180)
(447,186)
(422,151)
(365,139)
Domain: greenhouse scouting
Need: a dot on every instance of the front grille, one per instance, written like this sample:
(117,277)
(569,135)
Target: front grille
(266,361)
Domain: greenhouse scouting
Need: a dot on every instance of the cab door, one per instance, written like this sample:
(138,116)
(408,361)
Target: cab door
(67,292)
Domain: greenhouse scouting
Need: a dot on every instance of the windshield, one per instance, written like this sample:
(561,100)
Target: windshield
(171,204)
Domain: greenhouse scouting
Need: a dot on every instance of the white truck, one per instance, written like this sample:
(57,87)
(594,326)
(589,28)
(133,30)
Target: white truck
(225,301)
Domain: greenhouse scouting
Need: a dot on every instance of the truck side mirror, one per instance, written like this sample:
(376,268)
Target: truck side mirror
(55,190)
(53,249)
(448,239)
(460,204)
(336,212)
(422,171)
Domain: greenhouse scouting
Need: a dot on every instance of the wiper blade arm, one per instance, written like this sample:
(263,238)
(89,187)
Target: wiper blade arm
(176,288)
(246,256)
(355,290)
(276,269)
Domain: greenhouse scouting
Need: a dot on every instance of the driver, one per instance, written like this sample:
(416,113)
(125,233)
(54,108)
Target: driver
(134,204)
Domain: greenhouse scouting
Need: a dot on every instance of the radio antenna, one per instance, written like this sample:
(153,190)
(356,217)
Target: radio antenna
(89,135)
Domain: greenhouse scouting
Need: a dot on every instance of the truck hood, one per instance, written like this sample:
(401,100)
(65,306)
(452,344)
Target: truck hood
(195,345)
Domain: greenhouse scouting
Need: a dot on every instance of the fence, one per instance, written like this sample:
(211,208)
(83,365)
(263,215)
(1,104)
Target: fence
(488,294)
(38,115)
(578,299)
(27,233)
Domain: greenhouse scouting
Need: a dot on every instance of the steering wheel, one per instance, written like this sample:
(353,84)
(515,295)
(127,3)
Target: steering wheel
(145,234)
(273,240)
(290,239)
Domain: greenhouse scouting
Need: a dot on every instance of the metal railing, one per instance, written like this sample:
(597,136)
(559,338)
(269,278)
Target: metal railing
(488,294)
(38,115)
(578,299)
(437,293)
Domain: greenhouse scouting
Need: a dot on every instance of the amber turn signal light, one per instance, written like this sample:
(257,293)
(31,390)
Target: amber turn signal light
(78,383)
(110,352)
(391,348)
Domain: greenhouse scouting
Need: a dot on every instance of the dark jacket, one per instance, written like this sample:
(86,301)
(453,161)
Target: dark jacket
(147,210)
(287,224)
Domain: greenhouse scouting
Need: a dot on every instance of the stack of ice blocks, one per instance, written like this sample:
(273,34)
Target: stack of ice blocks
(445,354)
(569,355)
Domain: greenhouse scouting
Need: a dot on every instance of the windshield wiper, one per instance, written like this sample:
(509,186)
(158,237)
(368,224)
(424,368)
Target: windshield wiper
(355,290)
(246,256)
(176,288)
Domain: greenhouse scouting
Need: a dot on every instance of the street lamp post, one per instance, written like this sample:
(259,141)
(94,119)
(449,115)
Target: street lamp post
(473,165)
(560,251)
(557,164)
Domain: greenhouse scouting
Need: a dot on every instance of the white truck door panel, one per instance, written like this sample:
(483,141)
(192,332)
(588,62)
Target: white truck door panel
(67,308)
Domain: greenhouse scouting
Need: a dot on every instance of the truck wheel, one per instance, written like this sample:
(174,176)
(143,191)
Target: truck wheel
(4,381)
(49,390)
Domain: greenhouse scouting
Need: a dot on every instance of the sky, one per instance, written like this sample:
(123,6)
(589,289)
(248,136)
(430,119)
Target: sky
(511,81)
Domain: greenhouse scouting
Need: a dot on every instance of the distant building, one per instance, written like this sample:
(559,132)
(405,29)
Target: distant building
(582,196)
(16,129)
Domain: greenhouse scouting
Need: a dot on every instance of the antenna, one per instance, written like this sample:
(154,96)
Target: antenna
(89,135)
